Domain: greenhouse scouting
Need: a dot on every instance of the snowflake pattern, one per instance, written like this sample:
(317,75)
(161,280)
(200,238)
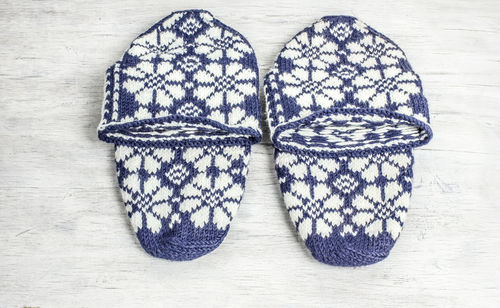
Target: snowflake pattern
(224,88)
(313,90)
(162,187)
(345,110)
(311,205)
(372,51)
(376,213)
(214,193)
(182,108)
(189,64)
(218,42)
(353,194)
(340,62)
(155,87)
(384,201)
(311,50)
(146,200)
(390,86)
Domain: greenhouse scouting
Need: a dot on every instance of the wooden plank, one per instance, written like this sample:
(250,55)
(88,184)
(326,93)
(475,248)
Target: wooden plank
(66,240)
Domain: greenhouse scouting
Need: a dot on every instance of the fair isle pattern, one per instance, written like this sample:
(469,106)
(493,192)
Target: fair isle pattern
(345,110)
(350,132)
(341,63)
(351,194)
(188,65)
(162,187)
(182,108)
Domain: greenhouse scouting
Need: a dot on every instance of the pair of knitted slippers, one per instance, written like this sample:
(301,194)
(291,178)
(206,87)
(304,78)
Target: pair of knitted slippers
(345,111)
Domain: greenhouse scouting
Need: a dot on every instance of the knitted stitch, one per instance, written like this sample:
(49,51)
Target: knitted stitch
(345,110)
(182,109)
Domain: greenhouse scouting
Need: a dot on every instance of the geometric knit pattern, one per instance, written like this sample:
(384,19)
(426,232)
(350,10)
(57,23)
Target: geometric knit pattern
(345,110)
(181,200)
(345,204)
(344,76)
(355,194)
(188,75)
(182,109)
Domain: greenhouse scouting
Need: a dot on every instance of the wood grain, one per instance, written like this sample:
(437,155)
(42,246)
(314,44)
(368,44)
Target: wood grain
(65,238)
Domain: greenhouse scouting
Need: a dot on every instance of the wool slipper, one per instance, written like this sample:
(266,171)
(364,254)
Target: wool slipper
(345,110)
(182,109)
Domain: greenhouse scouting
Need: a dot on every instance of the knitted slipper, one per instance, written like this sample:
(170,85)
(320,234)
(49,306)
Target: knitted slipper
(182,109)
(345,110)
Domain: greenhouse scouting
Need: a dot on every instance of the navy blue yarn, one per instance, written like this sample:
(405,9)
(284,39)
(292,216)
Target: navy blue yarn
(348,250)
(343,246)
(336,152)
(144,145)
(291,108)
(128,105)
(184,241)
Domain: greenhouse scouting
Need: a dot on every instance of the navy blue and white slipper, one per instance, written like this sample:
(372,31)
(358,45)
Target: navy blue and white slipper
(345,110)
(182,109)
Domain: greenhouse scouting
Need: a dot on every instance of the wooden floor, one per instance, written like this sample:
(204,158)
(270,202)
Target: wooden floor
(65,240)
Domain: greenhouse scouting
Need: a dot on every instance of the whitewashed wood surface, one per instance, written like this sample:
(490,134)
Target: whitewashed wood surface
(65,240)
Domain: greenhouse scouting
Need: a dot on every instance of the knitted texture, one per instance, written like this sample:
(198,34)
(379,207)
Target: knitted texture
(182,109)
(345,110)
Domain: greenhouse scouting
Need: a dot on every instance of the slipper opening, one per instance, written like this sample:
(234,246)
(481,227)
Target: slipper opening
(348,130)
(177,131)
